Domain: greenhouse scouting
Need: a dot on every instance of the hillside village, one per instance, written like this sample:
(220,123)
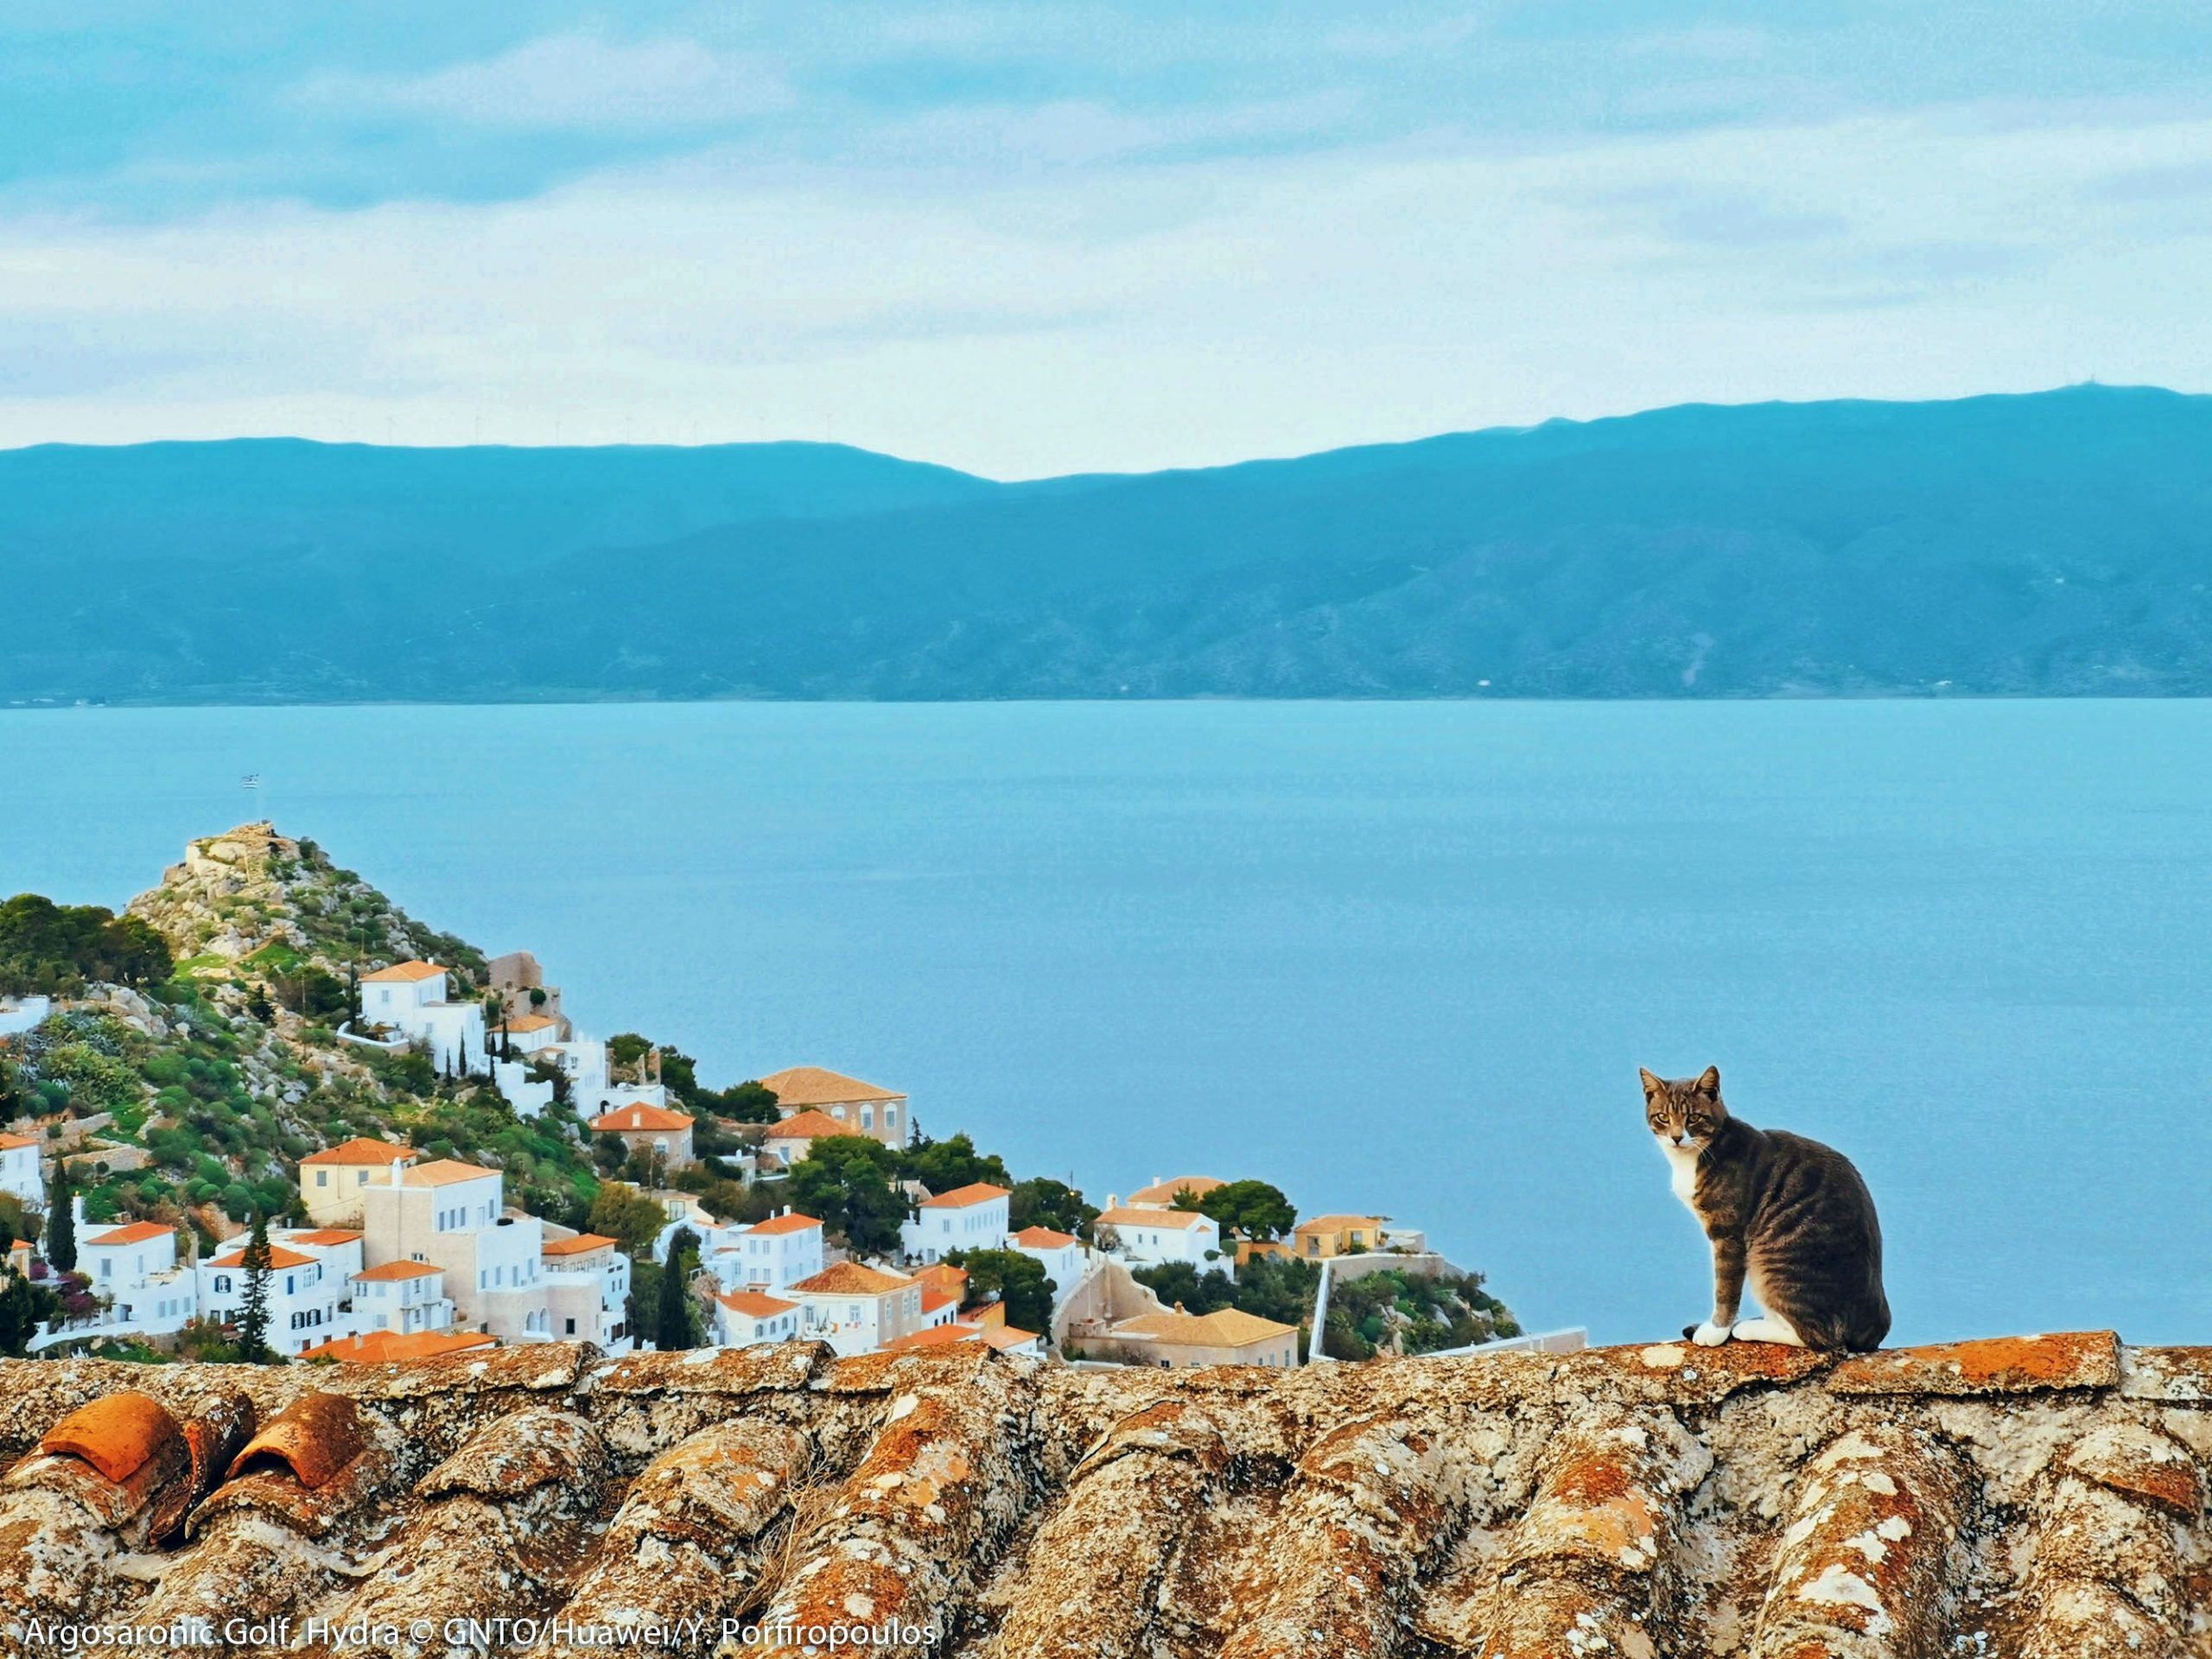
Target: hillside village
(264,1115)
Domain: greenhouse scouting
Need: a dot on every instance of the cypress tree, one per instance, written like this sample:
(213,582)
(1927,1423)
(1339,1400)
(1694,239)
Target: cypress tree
(61,1224)
(672,1328)
(253,1316)
(18,1315)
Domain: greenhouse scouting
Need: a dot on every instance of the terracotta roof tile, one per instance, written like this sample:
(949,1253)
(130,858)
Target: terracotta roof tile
(777,1225)
(1125,1217)
(1225,1327)
(388,1347)
(10,1142)
(136,1232)
(637,1117)
(575,1246)
(1161,1194)
(392,1271)
(850,1279)
(362,1149)
(809,1126)
(278,1257)
(964,1198)
(443,1172)
(1042,1238)
(1641,1502)
(811,1085)
(754,1304)
(403,972)
(324,1235)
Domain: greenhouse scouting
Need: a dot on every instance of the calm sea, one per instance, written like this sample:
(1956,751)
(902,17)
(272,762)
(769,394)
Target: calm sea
(1396,957)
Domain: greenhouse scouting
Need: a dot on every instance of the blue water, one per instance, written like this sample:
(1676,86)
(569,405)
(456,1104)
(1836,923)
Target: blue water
(1403,957)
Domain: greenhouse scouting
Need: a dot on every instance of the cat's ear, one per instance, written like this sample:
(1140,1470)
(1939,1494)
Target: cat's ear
(1652,1087)
(1708,1082)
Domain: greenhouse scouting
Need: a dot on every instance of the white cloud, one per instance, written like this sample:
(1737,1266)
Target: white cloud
(1139,315)
(578,81)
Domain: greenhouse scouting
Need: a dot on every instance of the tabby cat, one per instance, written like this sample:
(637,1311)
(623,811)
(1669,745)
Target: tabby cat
(1790,1213)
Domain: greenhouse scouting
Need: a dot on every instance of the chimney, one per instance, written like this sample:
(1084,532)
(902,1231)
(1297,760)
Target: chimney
(77,1213)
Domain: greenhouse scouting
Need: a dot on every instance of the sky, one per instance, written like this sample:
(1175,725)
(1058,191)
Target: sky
(1044,237)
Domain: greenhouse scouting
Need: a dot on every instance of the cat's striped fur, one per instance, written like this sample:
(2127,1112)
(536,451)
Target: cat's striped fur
(1789,1215)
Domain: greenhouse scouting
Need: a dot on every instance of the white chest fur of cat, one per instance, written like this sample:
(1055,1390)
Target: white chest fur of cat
(1683,1160)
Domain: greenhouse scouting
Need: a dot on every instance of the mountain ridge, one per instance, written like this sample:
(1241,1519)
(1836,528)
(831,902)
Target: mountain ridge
(2037,543)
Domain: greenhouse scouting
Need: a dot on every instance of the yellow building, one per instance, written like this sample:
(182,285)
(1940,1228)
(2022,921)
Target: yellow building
(1327,1235)
(1175,1340)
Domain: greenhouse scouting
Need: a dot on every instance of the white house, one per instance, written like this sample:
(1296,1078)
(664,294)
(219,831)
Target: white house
(134,1267)
(120,1260)
(305,1288)
(513,1079)
(409,997)
(586,1283)
(771,1254)
(402,1297)
(1059,1253)
(593,1087)
(745,1317)
(971,1217)
(1147,1238)
(857,1309)
(450,1214)
(19,1170)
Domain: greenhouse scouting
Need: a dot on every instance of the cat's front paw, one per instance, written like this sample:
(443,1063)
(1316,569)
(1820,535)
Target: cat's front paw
(1709,1335)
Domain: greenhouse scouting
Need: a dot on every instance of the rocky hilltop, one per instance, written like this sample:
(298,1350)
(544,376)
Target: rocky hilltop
(189,1100)
(251,895)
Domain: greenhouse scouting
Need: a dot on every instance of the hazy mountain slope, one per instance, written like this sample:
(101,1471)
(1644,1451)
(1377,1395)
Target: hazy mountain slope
(286,498)
(2060,542)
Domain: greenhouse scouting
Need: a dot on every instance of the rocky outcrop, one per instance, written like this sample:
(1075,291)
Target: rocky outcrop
(251,889)
(2042,1496)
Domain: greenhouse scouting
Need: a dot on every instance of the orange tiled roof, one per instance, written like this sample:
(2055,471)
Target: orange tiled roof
(937,1336)
(384,1347)
(754,1304)
(1225,1327)
(1338,1224)
(9,1142)
(392,1271)
(325,1235)
(963,1198)
(794,1223)
(444,1172)
(278,1257)
(1042,1238)
(136,1232)
(575,1246)
(519,1023)
(1126,1216)
(361,1149)
(809,1126)
(1161,1194)
(851,1279)
(636,1115)
(813,1085)
(933,1299)
(403,972)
